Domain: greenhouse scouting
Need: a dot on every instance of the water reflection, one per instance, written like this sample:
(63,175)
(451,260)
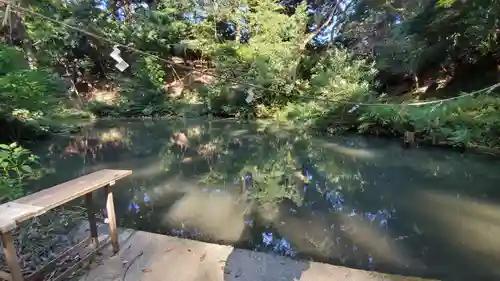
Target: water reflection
(360,202)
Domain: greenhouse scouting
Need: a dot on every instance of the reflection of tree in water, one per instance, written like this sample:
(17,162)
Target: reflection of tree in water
(332,200)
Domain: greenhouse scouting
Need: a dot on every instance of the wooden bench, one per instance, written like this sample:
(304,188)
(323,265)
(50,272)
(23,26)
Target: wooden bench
(33,205)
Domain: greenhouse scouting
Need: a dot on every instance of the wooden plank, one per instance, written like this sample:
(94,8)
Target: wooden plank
(45,200)
(5,276)
(12,210)
(10,255)
(65,192)
(110,208)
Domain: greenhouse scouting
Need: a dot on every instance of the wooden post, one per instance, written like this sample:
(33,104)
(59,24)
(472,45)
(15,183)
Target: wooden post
(409,138)
(11,256)
(91,216)
(243,185)
(110,207)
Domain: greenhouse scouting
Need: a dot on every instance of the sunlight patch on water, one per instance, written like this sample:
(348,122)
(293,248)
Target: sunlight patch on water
(194,131)
(237,133)
(472,225)
(113,135)
(376,241)
(217,215)
(309,234)
(353,152)
(145,168)
(165,188)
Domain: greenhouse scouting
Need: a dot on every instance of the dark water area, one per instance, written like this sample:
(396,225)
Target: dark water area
(354,201)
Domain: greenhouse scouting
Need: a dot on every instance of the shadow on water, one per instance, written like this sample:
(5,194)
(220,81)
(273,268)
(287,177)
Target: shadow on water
(353,201)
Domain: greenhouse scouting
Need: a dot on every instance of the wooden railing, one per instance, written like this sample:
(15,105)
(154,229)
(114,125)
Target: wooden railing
(33,205)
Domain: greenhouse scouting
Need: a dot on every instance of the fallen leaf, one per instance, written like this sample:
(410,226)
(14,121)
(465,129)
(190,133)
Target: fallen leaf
(202,258)
(168,250)
(146,270)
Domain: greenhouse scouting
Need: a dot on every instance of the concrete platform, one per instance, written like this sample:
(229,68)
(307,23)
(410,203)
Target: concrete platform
(153,257)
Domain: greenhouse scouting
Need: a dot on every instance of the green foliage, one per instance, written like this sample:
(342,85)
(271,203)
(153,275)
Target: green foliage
(11,60)
(427,35)
(32,97)
(251,48)
(461,123)
(445,3)
(424,41)
(265,61)
(142,95)
(21,88)
(336,78)
(16,166)
(30,89)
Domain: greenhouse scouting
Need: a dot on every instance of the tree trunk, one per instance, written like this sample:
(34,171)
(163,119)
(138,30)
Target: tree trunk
(238,33)
(126,7)
(17,35)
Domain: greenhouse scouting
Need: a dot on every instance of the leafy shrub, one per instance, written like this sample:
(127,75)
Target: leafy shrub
(25,91)
(16,165)
(11,60)
(335,78)
(463,122)
(30,89)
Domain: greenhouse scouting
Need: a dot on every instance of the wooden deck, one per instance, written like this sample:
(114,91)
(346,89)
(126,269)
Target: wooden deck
(152,257)
(33,205)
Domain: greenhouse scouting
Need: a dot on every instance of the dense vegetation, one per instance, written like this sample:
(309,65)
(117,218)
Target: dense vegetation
(313,62)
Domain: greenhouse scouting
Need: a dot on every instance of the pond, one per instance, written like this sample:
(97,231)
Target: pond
(351,200)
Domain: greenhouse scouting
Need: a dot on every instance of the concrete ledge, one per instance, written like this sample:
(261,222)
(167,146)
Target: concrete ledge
(153,257)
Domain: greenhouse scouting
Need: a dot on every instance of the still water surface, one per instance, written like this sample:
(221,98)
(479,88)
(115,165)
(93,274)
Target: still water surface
(355,201)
